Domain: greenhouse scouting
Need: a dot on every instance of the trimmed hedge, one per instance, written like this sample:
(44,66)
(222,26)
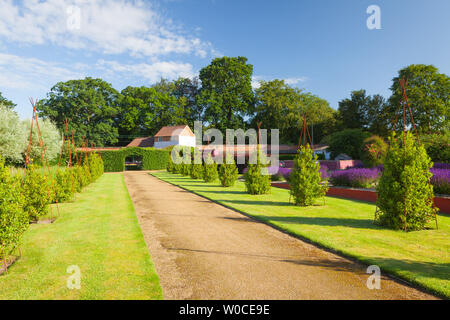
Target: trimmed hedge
(152,159)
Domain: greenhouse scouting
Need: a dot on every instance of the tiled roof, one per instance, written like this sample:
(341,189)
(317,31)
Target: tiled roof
(145,142)
(182,130)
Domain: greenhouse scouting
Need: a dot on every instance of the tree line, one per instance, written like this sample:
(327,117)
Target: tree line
(222,97)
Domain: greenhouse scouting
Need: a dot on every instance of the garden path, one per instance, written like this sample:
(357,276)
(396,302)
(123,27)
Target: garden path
(203,250)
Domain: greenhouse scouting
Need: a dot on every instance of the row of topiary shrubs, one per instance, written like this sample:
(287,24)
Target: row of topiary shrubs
(207,169)
(25,196)
(257,179)
(306,181)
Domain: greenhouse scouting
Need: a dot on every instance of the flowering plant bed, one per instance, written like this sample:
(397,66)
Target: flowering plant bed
(370,195)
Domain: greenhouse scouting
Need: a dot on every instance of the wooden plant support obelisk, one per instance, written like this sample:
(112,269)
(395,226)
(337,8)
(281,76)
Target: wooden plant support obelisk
(403,104)
(44,159)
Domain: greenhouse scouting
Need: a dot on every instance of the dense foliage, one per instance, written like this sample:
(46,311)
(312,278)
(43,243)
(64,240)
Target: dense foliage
(405,197)
(13,218)
(228,172)
(13,137)
(152,159)
(90,104)
(305,179)
(36,186)
(96,166)
(280,106)
(348,141)
(257,178)
(428,93)
(63,186)
(362,111)
(210,173)
(226,92)
(437,146)
(374,151)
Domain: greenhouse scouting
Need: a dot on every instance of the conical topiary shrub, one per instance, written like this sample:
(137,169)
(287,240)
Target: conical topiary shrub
(228,172)
(257,178)
(305,178)
(405,196)
(197,167)
(210,173)
(170,164)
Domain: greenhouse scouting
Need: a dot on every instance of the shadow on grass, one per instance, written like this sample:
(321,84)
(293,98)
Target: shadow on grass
(324,221)
(222,192)
(200,183)
(255,202)
(432,270)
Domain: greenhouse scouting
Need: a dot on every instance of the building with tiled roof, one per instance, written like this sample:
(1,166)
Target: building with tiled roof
(174,135)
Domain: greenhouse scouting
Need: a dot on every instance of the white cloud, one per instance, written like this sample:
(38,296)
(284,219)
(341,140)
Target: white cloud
(289,81)
(30,73)
(294,81)
(106,26)
(153,72)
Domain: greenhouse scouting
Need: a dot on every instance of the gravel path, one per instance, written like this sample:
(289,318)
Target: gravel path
(202,250)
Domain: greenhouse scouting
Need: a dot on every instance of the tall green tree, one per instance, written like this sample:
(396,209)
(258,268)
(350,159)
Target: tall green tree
(276,106)
(90,104)
(362,111)
(186,91)
(13,137)
(7,103)
(226,93)
(428,93)
(319,115)
(280,106)
(144,110)
(134,108)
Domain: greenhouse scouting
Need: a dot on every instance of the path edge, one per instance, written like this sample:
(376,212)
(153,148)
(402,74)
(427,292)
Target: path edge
(366,262)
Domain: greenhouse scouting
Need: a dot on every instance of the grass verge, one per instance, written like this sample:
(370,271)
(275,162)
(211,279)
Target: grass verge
(343,226)
(100,234)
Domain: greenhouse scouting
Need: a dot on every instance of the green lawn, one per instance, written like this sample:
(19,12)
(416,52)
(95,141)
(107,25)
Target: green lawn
(99,233)
(345,226)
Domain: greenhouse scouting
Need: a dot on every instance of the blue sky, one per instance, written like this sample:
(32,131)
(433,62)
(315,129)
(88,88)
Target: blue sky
(322,46)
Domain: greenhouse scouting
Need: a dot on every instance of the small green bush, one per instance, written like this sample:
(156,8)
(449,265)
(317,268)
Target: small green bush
(257,178)
(14,220)
(196,168)
(87,173)
(177,165)
(83,179)
(196,171)
(210,173)
(374,151)
(76,178)
(405,198)
(63,186)
(185,169)
(96,166)
(170,165)
(36,193)
(305,178)
(228,172)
